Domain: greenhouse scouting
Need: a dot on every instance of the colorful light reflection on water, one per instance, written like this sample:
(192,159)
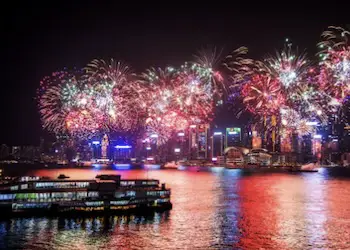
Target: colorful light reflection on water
(213,209)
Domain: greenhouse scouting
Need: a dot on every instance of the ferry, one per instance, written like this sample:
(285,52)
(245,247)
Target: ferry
(104,194)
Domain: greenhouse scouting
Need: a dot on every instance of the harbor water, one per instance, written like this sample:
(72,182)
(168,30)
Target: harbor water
(213,208)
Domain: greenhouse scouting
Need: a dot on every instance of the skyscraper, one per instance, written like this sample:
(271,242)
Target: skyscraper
(233,137)
(217,144)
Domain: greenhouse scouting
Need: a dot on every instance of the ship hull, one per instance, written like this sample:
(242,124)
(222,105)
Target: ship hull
(55,210)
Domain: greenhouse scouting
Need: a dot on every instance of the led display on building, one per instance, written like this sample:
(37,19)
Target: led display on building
(233,137)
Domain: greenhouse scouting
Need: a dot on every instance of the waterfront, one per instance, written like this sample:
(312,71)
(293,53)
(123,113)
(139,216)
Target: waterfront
(212,209)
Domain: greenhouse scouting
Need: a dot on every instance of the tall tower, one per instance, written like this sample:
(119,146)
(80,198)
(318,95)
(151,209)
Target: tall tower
(233,137)
(104,146)
(217,144)
(202,139)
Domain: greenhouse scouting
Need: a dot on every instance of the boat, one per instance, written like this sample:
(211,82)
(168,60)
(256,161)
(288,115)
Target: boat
(62,176)
(171,165)
(232,166)
(303,170)
(308,168)
(104,194)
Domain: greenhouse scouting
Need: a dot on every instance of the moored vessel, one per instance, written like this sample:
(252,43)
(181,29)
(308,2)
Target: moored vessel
(104,194)
(308,168)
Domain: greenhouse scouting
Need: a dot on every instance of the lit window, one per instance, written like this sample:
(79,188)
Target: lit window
(81,194)
(130,193)
(119,202)
(92,194)
(6,196)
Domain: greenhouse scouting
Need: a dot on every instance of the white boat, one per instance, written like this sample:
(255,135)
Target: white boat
(310,166)
(171,165)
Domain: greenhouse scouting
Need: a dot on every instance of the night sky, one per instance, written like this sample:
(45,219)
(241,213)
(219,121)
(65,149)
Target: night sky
(45,37)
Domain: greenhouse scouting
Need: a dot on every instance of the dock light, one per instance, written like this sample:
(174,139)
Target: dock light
(233,133)
(217,133)
(150,158)
(214,159)
(121,166)
(122,146)
(151,166)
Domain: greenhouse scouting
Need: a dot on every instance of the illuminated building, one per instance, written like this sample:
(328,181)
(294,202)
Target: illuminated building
(286,145)
(256,140)
(122,152)
(306,148)
(217,145)
(104,146)
(233,137)
(317,146)
(203,131)
(96,149)
(346,139)
(295,143)
(192,142)
(179,148)
(198,141)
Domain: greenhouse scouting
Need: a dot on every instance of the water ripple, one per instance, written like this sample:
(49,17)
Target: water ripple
(226,209)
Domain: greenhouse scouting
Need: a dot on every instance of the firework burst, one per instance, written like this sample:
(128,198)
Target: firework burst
(102,100)
(262,95)
(335,62)
(115,73)
(156,130)
(289,67)
(292,122)
(56,95)
(115,94)
(207,63)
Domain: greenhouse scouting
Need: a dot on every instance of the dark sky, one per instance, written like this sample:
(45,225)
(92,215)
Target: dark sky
(44,37)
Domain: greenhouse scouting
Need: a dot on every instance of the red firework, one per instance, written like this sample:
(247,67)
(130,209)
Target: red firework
(262,95)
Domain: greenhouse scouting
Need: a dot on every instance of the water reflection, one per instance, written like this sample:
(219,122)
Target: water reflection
(78,233)
(225,229)
(290,194)
(257,222)
(212,209)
